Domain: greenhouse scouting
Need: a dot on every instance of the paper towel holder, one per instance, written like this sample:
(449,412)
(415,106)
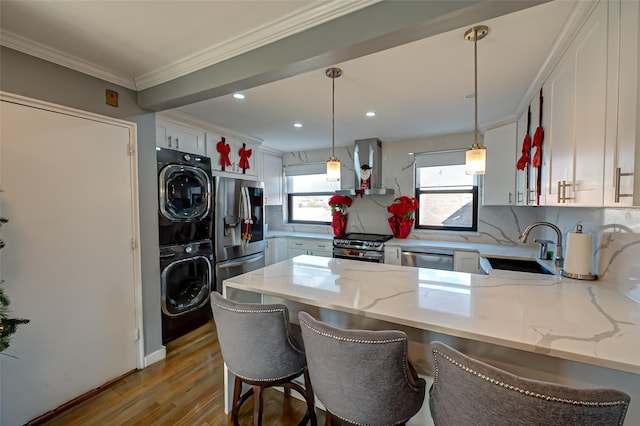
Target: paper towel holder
(586,277)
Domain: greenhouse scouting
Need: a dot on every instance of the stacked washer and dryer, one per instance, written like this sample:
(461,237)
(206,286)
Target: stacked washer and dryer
(186,251)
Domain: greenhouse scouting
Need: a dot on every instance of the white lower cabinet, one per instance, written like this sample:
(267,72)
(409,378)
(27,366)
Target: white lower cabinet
(275,250)
(310,246)
(392,255)
(466,261)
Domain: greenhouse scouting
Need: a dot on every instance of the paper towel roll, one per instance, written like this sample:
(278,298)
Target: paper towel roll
(579,253)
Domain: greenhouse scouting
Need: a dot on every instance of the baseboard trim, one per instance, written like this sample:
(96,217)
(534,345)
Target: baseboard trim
(156,356)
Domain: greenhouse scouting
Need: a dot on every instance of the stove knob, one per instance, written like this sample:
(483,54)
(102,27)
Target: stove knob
(188,249)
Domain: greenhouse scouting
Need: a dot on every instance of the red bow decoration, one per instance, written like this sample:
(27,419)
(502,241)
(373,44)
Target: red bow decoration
(525,158)
(224,150)
(537,139)
(244,158)
(537,142)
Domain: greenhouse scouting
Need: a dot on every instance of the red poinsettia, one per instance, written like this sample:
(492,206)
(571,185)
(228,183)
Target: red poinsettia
(402,220)
(339,202)
(403,206)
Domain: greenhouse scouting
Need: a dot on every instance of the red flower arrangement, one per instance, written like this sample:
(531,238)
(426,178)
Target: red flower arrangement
(339,204)
(402,220)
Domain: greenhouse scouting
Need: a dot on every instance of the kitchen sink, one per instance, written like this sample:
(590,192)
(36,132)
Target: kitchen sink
(520,265)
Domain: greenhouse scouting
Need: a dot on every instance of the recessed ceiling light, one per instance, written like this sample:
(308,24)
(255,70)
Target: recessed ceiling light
(370,114)
(238,95)
(297,124)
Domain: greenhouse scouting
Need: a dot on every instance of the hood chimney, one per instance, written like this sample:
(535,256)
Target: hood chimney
(367,159)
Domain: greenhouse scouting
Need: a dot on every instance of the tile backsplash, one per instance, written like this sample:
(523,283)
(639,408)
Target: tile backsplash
(616,231)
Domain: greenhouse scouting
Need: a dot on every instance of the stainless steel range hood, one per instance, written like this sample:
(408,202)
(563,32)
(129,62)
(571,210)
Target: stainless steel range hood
(367,159)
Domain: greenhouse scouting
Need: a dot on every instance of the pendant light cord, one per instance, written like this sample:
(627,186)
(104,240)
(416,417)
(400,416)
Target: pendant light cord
(333,117)
(475,73)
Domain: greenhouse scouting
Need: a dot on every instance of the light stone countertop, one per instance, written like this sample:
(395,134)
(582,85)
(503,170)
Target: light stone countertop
(581,321)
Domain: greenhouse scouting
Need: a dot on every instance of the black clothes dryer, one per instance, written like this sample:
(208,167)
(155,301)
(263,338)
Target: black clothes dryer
(184,199)
(186,276)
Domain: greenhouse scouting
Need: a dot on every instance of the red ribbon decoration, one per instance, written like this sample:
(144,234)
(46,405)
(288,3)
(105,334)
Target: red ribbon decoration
(537,139)
(525,158)
(537,157)
(244,157)
(224,150)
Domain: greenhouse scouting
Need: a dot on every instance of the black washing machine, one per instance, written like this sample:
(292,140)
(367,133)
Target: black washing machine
(186,276)
(184,201)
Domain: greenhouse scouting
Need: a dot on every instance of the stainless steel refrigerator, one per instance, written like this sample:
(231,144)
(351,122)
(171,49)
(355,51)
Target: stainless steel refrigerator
(238,227)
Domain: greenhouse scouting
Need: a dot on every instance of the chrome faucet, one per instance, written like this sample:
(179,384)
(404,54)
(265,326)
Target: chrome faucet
(559,259)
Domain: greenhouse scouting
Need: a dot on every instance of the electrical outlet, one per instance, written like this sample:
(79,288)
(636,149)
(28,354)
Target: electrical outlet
(112,98)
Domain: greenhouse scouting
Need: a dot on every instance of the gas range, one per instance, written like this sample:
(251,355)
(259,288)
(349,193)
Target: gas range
(357,246)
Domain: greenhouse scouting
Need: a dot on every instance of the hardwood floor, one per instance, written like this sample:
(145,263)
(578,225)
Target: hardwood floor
(184,389)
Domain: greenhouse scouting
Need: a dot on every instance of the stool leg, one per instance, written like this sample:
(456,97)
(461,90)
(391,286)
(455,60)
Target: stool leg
(237,386)
(311,404)
(257,406)
(327,418)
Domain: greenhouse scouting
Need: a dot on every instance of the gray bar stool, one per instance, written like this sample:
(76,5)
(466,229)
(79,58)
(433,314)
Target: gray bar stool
(468,392)
(362,377)
(262,349)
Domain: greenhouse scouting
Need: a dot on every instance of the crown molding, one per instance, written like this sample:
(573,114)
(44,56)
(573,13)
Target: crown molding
(287,25)
(39,50)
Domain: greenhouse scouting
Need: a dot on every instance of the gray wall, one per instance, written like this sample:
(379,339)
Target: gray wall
(35,78)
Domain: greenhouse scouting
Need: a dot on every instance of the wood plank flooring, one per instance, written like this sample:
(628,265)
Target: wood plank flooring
(186,388)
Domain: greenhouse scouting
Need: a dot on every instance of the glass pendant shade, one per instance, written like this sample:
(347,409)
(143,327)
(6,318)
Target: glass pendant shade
(333,169)
(475,160)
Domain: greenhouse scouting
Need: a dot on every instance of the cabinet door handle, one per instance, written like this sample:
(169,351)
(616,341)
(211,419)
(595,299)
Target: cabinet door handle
(519,197)
(617,185)
(169,141)
(510,198)
(564,191)
(298,244)
(559,192)
(177,142)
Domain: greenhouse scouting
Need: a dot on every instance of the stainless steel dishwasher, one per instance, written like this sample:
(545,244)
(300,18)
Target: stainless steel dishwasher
(431,258)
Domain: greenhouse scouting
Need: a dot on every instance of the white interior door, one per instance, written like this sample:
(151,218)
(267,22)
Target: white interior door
(70,195)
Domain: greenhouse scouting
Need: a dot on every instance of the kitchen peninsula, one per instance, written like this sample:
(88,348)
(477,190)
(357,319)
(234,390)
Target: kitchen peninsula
(542,326)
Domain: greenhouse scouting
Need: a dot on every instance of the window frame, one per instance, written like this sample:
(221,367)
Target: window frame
(443,158)
(290,197)
(474,215)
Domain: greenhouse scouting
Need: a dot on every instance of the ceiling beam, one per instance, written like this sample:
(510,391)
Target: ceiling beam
(377,27)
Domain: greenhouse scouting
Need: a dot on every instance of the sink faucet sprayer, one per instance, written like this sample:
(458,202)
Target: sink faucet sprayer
(559,259)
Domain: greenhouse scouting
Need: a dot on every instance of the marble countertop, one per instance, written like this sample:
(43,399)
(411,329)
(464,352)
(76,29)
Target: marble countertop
(582,321)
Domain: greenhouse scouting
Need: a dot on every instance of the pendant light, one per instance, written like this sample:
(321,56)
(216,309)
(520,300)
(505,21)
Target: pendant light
(476,154)
(333,164)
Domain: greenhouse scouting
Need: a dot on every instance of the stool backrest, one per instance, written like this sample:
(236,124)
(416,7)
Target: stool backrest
(255,339)
(469,392)
(362,376)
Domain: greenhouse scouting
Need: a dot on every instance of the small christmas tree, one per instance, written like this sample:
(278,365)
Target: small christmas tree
(8,326)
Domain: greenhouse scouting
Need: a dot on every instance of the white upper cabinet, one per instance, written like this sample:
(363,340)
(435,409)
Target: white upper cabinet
(500,176)
(179,137)
(526,179)
(272,178)
(622,180)
(574,111)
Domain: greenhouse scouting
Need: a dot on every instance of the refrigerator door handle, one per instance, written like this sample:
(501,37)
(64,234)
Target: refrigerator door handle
(234,263)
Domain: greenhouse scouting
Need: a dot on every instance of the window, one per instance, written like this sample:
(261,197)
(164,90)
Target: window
(308,193)
(448,197)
